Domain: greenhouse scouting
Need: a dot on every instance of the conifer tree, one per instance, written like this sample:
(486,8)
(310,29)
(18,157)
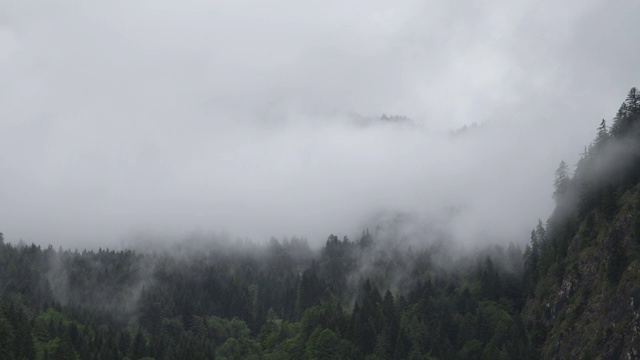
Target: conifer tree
(627,114)
(561,182)
(602,137)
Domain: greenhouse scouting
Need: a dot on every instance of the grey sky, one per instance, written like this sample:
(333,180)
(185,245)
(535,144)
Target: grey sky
(166,117)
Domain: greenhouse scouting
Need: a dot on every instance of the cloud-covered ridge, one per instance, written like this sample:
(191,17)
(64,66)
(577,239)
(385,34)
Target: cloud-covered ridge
(155,116)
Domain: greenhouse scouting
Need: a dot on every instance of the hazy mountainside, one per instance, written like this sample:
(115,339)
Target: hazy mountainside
(277,301)
(582,271)
(574,293)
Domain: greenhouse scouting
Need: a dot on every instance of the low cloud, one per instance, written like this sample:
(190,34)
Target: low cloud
(166,118)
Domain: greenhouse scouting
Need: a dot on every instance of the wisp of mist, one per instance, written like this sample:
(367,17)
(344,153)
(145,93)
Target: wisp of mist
(157,119)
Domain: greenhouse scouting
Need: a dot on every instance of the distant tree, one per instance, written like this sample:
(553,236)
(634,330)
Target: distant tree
(602,137)
(627,114)
(633,100)
(541,233)
(561,182)
(490,280)
(366,239)
(531,257)
(310,291)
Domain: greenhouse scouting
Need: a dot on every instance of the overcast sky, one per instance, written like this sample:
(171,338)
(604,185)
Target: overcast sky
(157,117)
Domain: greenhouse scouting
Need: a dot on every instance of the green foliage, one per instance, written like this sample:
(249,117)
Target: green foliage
(325,344)
(7,338)
(238,306)
(238,349)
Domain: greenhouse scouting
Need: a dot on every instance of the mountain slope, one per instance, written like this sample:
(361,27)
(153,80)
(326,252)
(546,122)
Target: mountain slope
(583,269)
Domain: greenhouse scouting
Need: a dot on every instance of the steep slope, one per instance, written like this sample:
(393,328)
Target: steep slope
(583,268)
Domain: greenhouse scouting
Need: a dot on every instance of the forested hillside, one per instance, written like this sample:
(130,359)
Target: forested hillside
(574,293)
(352,299)
(582,271)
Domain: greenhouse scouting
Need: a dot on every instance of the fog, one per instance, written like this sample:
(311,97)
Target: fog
(161,119)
